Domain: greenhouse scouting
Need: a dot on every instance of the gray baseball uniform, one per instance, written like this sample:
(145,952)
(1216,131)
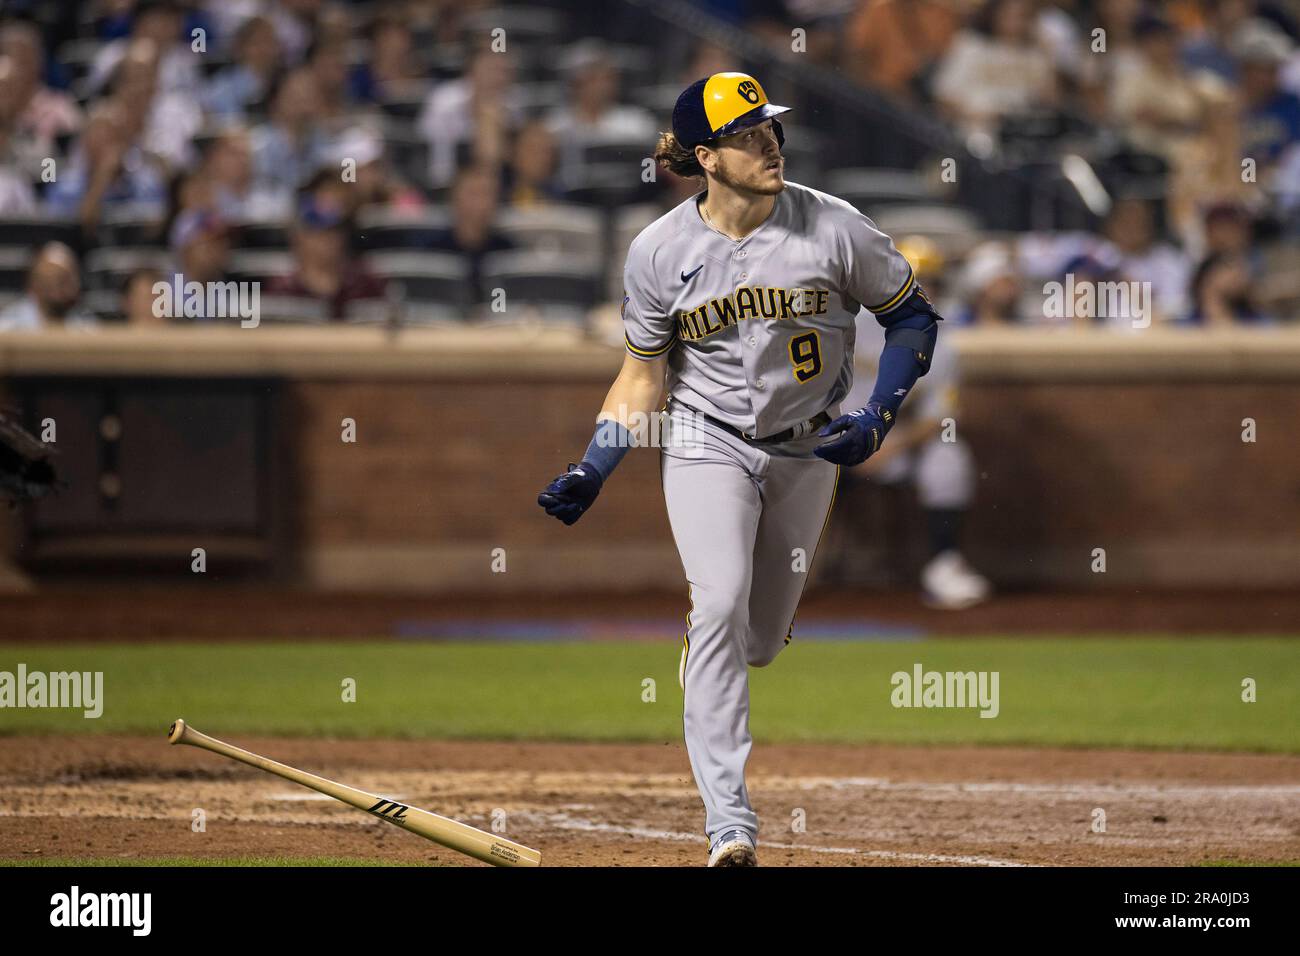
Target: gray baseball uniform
(759,335)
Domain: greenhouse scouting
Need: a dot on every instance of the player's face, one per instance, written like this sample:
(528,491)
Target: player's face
(750,161)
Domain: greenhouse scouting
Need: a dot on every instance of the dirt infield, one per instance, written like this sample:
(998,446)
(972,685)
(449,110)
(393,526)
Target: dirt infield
(621,805)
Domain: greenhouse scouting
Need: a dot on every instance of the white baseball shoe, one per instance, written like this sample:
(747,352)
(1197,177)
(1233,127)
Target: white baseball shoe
(952,584)
(735,847)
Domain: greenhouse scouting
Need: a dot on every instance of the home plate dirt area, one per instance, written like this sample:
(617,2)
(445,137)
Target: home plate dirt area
(635,804)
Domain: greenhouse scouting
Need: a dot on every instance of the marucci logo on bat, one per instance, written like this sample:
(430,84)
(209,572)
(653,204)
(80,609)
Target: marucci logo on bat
(389,810)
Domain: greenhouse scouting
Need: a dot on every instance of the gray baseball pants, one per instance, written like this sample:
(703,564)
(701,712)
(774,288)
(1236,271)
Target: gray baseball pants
(747,521)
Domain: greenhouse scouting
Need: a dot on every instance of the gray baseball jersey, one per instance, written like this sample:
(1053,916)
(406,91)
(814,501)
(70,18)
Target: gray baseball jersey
(759,333)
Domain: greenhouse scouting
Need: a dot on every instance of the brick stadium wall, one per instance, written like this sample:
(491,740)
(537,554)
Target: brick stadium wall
(1124,443)
(442,474)
(1157,475)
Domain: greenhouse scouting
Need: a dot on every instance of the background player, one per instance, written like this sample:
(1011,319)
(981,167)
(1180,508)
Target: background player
(925,450)
(741,303)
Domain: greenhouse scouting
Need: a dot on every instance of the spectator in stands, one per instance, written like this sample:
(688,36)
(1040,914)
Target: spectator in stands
(167,119)
(1209,49)
(1228,230)
(53,293)
(108,168)
(990,288)
(228,169)
(327,61)
(245,84)
(1158,103)
(1223,292)
(137,303)
(1111,53)
(531,175)
(161,23)
(200,243)
(392,71)
(324,268)
(467,120)
(1133,248)
(1209,171)
(377,184)
(292,144)
(895,45)
(1271,117)
(996,70)
(593,115)
(929,455)
(17,195)
(40,116)
(475,198)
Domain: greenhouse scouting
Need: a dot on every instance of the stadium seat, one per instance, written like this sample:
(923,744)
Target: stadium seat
(437,277)
(408,153)
(955,230)
(606,185)
(628,152)
(406,108)
(108,269)
(261,234)
(525,25)
(870,188)
(628,223)
(104,304)
(658,98)
(537,99)
(131,225)
(35,231)
(14,261)
(558,227)
(291,308)
(259,264)
(379,229)
(543,278)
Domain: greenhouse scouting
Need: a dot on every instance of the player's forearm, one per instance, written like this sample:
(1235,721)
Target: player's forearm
(632,399)
(636,392)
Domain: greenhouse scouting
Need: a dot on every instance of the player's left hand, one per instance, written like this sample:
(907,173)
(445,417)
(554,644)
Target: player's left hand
(569,496)
(860,435)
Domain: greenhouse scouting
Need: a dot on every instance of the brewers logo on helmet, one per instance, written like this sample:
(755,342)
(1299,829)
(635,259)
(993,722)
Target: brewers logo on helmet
(720,105)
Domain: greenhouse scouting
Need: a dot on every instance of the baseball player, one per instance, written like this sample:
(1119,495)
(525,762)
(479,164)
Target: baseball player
(939,464)
(740,304)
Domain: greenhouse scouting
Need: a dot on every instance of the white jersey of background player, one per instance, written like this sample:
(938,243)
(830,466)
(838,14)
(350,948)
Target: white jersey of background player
(740,304)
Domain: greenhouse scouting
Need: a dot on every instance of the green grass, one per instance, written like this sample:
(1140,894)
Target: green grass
(1182,693)
(112,861)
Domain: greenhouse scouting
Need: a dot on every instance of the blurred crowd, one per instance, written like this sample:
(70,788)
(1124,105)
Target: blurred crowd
(365,159)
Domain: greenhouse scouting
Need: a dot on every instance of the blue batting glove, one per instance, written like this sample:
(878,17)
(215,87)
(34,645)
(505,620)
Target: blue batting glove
(569,496)
(861,435)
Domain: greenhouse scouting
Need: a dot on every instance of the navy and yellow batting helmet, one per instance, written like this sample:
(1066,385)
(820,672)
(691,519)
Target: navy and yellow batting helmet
(720,105)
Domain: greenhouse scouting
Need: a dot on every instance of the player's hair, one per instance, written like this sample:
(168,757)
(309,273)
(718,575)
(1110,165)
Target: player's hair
(675,157)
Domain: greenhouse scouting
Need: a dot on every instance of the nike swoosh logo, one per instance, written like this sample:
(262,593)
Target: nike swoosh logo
(688,276)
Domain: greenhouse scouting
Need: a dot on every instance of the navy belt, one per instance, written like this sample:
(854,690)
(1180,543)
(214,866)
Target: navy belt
(801,430)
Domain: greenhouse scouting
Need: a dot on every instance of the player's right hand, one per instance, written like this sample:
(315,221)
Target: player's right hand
(569,496)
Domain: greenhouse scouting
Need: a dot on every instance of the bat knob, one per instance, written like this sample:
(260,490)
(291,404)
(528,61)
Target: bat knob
(176,731)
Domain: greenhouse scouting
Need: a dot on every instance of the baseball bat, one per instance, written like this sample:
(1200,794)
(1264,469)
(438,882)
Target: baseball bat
(442,830)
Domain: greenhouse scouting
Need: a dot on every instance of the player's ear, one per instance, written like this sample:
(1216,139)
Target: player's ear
(706,157)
